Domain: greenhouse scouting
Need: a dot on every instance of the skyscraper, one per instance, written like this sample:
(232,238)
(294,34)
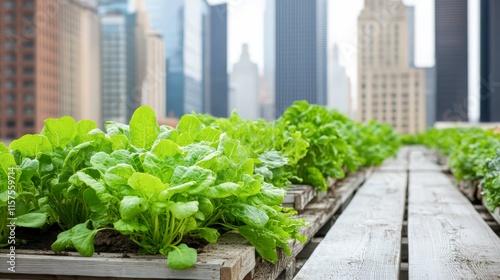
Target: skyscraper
(245,84)
(217,92)
(338,84)
(451,60)
(301,58)
(182,24)
(268,106)
(153,86)
(117,61)
(490,61)
(388,89)
(42,76)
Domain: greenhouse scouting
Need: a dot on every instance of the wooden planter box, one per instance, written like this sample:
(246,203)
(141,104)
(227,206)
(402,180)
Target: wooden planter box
(231,258)
(495,214)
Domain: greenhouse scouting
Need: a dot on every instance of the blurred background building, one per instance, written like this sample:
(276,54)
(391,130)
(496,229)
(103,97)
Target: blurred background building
(300,52)
(338,84)
(391,90)
(245,85)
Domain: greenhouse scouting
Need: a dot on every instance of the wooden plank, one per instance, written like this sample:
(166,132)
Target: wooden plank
(365,241)
(421,159)
(398,164)
(316,215)
(232,256)
(447,238)
(495,214)
(299,196)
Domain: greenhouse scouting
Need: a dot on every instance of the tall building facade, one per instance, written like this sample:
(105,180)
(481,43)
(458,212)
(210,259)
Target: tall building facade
(117,63)
(490,61)
(42,77)
(388,89)
(301,55)
(451,60)
(268,107)
(218,83)
(154,85)
(182,23)
(245,85)
(338,84)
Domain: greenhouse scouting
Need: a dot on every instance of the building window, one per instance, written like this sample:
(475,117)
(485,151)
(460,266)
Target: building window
(9,4)
(9,31)
(28,71)
(9,45)
(29,124)
(28,17)
(10,84)
(29,111)
(10,58)
(9,18)
(29,44)
(28,57)
(29,84)
(28,97)
(11,124)
(10,71)
(10,111)
(10,97)
(29,31)
(28,4)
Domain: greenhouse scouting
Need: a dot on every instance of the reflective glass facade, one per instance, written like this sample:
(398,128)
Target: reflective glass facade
(182,24)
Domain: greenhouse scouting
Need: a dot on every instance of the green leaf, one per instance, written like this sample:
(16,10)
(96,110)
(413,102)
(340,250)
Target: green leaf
(183,210)
(263,243)
(222,190)
(83,239)
(203,178)
(211,235)
(132,206)
(119,141)
(30,145)
(32,220)
(102,161)
(63,242)
(209,134)
(129,227)
(83,128)
(189,124)
(149,185)
(143,128)
(60,132)
(116,178)
(115,128)
(249,214)
(165,149)
(181,257)
(3,148)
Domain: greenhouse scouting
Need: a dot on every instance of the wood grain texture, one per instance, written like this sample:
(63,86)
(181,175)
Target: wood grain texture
(298,196)
(495,214)
(398,164)
(422,159)
(447,238)
(232,256)
(365,241)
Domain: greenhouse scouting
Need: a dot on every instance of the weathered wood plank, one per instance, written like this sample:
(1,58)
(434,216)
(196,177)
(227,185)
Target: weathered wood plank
(365,241)
(231,258)
(422,159)
(447,238)
(398,164)
(299,196)
(316,215)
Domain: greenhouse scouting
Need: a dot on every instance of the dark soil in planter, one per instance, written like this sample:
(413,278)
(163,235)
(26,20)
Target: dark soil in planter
(106,241)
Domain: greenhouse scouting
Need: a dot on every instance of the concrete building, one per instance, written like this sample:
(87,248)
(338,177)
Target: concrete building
(388,89)
(117,81)
(42,73)
(301,53)
(268,108)
(451,60)
(154,85)
(490,61)
(183,25)
(338,84)
(216,96)
(245,81)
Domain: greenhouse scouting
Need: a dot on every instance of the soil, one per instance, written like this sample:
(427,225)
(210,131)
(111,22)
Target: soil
(106,241)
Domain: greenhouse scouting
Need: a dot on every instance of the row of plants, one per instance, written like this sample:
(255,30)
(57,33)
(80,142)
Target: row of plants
(159,184)
(473,155)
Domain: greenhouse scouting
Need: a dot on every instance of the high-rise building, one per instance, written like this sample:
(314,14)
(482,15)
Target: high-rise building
(430,95)
(268,106)
(154,85)
(388,89)
(338,84)
(301,56)
(490,61)
(245,82)
(451,60)
(42,76)
(218,84)
(411,35)
(182,23)
(117,60)
(79,61)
